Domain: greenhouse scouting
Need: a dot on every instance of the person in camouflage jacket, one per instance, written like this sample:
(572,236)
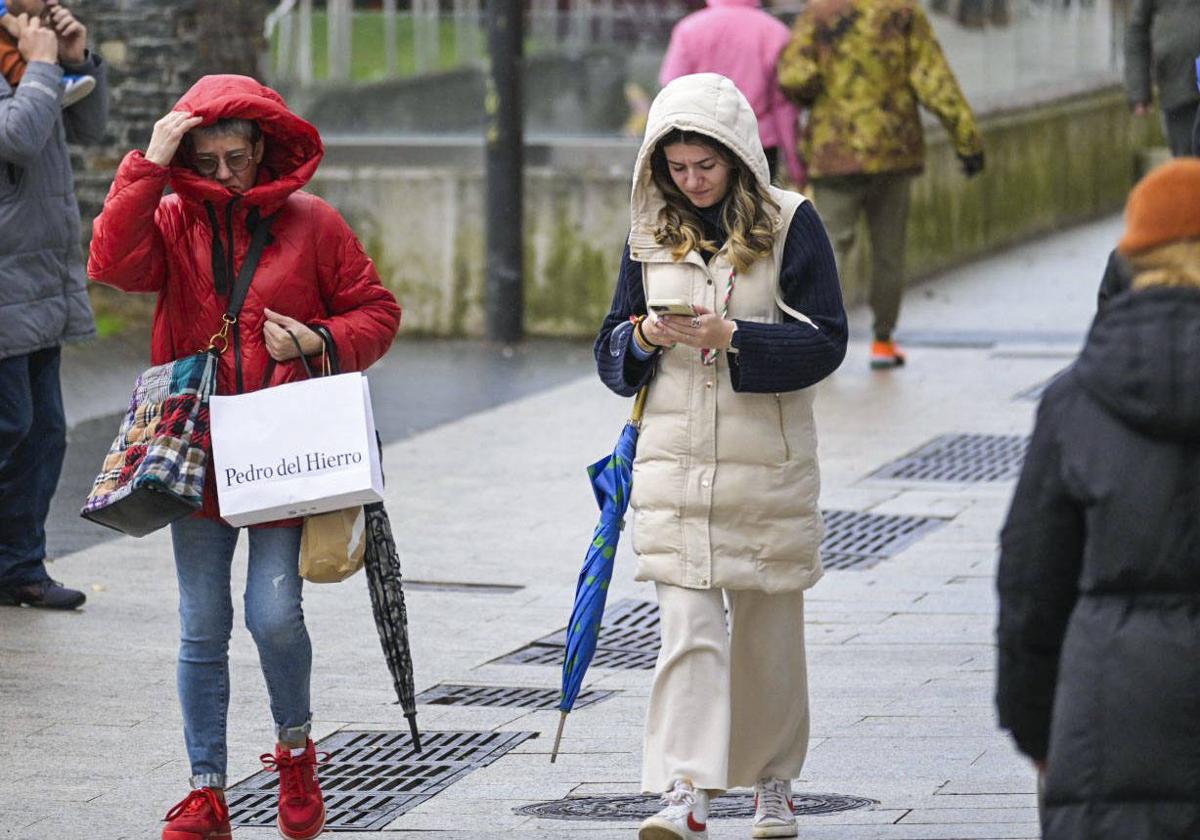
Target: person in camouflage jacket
(860,68)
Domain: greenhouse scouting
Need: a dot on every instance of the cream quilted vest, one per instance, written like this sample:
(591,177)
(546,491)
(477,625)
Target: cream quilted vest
(725,484)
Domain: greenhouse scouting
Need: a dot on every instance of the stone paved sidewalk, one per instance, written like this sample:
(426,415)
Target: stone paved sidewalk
(900,653)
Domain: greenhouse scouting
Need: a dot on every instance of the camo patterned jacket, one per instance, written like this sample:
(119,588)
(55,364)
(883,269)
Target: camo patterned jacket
(861,67)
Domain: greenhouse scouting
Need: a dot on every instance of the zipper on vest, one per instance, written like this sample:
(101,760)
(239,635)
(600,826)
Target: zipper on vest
(787,450)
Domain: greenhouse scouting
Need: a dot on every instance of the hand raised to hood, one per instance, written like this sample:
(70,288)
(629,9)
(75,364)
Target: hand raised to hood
(168,134)
(34,41)
(72,35)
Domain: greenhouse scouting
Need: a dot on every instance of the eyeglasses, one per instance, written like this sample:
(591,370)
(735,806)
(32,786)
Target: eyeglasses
(207,165)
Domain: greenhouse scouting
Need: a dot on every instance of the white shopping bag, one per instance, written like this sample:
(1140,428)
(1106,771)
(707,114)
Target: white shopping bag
(295,450)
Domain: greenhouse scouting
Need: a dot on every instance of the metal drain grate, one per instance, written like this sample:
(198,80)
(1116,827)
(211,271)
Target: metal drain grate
(860,540)
(448,694)
(629,636)
(632,808)
(373,777)
(961,458)
(354,812)
(536,654)
(628,639)
(628,624)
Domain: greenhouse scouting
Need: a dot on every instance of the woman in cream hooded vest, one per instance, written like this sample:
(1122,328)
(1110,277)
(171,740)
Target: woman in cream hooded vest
(725,480)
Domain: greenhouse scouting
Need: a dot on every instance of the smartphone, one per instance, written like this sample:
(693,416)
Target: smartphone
(672,306)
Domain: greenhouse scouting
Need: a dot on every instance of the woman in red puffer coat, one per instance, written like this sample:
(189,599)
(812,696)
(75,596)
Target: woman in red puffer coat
(235,156)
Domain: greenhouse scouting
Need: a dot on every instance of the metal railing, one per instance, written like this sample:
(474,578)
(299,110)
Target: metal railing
(1017,47)
(1042,47)
(387,38)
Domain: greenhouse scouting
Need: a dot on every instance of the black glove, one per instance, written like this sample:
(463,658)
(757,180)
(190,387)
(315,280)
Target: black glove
(972,165)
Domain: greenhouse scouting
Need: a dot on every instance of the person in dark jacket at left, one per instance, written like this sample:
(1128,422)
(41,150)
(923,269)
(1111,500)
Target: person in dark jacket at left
(1098,677)
(43,292)
(237,158)
(1161,37)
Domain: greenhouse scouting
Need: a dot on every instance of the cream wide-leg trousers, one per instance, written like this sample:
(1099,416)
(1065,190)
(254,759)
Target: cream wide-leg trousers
(729,706)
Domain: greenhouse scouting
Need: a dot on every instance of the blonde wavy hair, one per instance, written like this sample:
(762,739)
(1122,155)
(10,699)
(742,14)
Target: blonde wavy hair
(1174,264)
(750,216)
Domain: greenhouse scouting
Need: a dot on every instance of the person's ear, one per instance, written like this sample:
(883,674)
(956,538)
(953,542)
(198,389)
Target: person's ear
(259,148)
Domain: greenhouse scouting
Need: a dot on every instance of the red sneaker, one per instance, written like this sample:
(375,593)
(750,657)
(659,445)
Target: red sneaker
(301,806)
(201,816)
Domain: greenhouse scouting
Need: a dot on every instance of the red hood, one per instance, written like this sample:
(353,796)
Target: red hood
(293,145)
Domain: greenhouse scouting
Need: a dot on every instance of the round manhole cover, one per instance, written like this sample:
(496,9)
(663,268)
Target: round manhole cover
(631,808)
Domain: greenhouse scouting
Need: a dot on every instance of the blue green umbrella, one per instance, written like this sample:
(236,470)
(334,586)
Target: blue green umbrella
(612,481)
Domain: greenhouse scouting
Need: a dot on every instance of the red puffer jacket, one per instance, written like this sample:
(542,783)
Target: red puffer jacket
(314,269)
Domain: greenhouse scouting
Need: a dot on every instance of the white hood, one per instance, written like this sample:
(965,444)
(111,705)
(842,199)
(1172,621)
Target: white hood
(705,103)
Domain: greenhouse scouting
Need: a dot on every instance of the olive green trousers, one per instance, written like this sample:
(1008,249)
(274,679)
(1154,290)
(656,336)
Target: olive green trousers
(884,200)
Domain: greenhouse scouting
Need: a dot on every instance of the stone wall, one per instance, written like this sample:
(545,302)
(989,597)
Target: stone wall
(155,50)
(425,230)
(577,94)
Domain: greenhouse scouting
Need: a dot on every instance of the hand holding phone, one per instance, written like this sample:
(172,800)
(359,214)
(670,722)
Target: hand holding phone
(672,306)
(700,328)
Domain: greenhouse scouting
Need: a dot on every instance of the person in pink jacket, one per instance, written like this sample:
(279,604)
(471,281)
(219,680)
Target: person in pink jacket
(739,40)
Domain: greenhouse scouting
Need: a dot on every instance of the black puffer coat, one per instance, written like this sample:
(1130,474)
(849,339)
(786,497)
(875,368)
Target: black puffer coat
(1099,634)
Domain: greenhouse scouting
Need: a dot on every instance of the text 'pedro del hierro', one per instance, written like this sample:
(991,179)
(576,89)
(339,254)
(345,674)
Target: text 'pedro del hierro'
(309,463)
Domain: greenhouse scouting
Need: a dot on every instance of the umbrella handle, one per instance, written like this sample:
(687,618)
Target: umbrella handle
(416,735)
(639,406)
(558,738)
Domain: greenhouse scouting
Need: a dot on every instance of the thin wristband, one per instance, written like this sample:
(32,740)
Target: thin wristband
(640,337)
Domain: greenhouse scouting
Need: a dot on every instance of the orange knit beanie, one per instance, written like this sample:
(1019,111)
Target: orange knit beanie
(1164,207)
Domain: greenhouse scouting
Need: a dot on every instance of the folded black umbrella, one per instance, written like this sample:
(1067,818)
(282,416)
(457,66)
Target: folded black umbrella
(382,562)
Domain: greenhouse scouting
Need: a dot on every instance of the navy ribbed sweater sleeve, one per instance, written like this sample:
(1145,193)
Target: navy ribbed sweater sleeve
(773,358)
(616,363)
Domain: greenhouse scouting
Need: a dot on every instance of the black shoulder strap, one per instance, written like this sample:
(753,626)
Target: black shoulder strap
(258,243)
(220,273)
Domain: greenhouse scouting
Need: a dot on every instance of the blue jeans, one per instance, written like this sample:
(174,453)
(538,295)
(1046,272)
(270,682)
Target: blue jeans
(33,441)
(203,557)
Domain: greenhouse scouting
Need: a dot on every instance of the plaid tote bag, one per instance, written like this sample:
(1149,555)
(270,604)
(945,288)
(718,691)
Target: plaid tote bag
(154,471)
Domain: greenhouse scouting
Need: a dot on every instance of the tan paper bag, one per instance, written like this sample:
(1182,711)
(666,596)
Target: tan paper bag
(332,545)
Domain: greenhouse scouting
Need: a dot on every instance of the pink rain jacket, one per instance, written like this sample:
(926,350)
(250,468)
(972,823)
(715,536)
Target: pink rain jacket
(737,39)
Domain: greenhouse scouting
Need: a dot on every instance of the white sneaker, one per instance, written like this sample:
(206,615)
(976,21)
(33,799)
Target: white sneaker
(773,812)
(76,88)
(684,817)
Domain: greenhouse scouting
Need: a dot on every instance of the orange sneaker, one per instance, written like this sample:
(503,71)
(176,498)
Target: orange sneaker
(885,354)
(301,805)
(202,815)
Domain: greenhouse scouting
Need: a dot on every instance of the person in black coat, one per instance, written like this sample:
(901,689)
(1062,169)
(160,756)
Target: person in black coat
(1098,676)
(1116,279)
(1196,133)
